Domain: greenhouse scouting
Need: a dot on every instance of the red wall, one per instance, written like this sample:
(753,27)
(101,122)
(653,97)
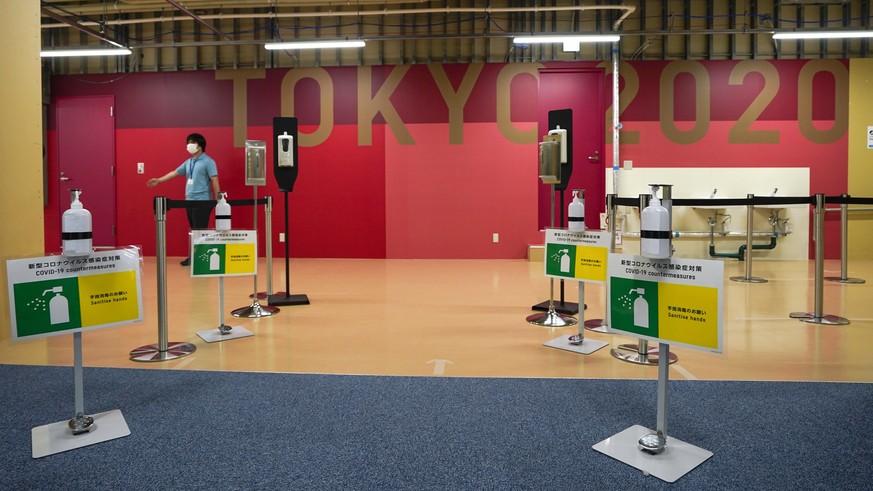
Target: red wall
(393,180)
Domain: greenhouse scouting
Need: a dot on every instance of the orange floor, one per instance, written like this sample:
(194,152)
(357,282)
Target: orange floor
(467,318)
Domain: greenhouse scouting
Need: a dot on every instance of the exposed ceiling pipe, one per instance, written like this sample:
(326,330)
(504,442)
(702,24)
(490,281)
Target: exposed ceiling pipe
(627,10)
(79,26)
(199,19)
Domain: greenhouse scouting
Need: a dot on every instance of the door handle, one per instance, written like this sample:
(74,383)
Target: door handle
(595,157)
(62,178)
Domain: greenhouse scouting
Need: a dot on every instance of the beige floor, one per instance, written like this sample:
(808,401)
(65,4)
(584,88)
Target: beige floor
(467,318)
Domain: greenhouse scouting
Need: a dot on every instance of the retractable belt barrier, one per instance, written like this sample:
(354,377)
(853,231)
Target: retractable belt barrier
(165,350)
(819,202)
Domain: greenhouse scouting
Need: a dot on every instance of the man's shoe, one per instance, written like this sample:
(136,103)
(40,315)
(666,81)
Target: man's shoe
(186,261)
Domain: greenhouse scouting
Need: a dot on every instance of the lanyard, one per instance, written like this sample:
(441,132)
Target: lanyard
(191,168)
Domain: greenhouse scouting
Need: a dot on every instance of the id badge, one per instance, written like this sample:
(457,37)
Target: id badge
(190,181)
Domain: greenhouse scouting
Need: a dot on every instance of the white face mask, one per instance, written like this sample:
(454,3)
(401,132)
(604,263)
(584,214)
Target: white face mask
(193,148)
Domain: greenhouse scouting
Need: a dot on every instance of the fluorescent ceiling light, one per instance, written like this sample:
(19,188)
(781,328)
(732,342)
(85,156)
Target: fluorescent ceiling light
(56,53)
(316,44)
(822,34)
(571,43)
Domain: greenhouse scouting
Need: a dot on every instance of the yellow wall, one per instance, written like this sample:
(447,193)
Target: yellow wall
(21,194)
(860,159)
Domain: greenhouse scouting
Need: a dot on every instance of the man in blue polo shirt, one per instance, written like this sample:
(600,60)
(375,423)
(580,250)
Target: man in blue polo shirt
(201,174)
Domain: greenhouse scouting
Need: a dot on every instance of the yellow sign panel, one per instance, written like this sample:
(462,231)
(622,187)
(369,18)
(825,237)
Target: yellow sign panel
(108,298)
(240,259)
(688,314)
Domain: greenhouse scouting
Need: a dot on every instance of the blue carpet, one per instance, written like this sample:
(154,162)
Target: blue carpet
(220,430)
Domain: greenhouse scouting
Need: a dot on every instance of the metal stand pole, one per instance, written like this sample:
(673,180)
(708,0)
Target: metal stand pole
(222,327)
(164,350)
(579,338)
(601,325)
(80,423)
(818,317)
(654,443)
(748,278)
(640,354)
(844,247)
(549,305)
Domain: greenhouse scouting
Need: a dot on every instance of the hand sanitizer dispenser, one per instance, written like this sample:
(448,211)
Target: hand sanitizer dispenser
(655,230)
(576,212)
(285,143)
(222,213)
(286,159)
(76,228)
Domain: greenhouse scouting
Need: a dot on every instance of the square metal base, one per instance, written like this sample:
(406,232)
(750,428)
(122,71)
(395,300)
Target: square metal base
(677,459)
(567,308)
(56,437)
(587,347)
(214,335)
(297,299)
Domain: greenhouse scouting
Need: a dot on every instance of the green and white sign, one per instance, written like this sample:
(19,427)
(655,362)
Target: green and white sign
(224,253)
(673,301)
(576,255)
(59,294)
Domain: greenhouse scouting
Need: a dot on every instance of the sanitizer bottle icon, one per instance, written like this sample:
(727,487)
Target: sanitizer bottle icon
(214,260)
(59,307)
(641,309)
(565,261)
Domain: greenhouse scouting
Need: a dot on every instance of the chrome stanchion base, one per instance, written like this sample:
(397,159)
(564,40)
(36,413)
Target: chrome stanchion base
(596,325)
(255,310)
(748,279)
(152,352)
(81,424)
(631,353)
(551,319)
(837,279)
(828,320)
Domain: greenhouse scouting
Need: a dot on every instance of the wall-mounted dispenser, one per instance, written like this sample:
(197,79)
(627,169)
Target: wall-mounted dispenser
(286,161)
(285,144)
(256,163)
(550,159)
(222,213)
(76,231)
(562,139)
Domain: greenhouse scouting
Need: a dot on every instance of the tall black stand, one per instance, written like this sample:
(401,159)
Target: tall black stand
(286,298)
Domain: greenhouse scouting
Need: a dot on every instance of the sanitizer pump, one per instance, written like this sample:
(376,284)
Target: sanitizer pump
(76,228)
(576,212)
(286,150)
(222,213)
(655,229)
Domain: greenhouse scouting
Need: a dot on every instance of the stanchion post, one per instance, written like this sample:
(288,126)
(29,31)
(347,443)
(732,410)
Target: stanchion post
(817,316)
(163,350)
(268,234)
(844,247)
(750,216)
